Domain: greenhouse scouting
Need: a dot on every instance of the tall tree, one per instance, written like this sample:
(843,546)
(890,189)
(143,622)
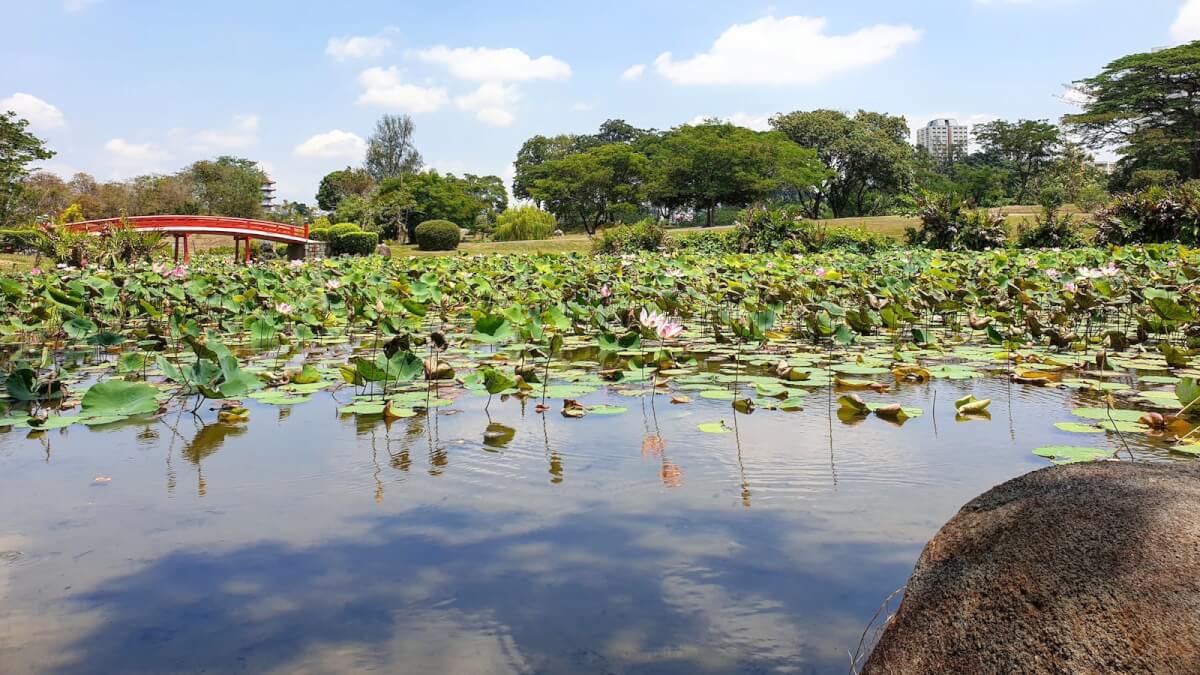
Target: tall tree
(593,187)
(227,186)
(18,149)
(869,155)
(535,152)
(337,185)
(716,163)
(390,149)
(1027,148)
(1149,104)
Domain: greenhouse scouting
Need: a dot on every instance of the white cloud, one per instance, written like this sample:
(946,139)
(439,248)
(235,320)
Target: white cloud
(633,72)
(41,115)
(76,6)
(336,143)
(755,122)
(483,64)
(492,103)
(1187,24)
(357,47)
(791,50)
(125,151)
(383,87)
(240,133)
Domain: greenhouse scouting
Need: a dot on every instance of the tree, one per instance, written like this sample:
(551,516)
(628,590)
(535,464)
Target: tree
(227,186)
(18,149)
(716,163)
(1027,148)
(590,188)
(869,155)
(337,185)
(490,192)
(533,154)
(1149,103)
(390,149)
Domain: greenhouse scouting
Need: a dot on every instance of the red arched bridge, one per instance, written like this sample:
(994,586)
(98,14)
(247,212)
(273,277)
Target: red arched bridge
(181,227)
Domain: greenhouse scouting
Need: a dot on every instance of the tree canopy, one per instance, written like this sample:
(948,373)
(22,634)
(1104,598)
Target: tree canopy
(390,149)
(869,155)
(1149,104)
(18,149)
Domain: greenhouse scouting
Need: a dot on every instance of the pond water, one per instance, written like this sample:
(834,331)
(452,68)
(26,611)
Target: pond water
(497,541)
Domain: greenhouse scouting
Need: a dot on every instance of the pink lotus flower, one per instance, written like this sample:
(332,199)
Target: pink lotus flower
(605,291)
(820,272)
(333,284)
(296,263)
(283,308)
(159,268)
(668,330)
(1052,273)
(651,319)
(37,272)
(179,272)
(1111,270)
(1070,287)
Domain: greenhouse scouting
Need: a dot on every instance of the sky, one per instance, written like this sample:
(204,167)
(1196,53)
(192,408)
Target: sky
(125,87)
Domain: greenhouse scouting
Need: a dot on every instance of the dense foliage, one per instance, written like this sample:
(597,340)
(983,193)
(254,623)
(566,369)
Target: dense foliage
(645,235)
(1156,214)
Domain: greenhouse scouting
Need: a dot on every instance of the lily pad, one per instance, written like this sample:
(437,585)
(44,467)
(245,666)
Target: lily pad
(1070,454)
(714,428)
(118,397)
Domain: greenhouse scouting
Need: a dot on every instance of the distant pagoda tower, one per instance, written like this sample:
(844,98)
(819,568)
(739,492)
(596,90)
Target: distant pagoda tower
(268,193)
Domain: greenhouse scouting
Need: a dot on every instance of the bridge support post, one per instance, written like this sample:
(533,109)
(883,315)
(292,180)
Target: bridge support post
(237,241)
(187,253)
(177,249)
(246,253)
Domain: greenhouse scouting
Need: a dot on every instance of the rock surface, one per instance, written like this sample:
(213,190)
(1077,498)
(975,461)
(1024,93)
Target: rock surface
(1086,568)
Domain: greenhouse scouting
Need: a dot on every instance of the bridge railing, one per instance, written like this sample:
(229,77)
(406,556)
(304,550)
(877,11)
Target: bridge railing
(185,222)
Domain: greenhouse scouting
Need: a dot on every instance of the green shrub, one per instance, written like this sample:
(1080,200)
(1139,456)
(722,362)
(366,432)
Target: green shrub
(343,228)
(644,235)
(1051,228)
(706,242)
(857,239)
(1154,215)
(320,234)
(524,223)
(765,229)
(355,243)
(438,235)
(948,223)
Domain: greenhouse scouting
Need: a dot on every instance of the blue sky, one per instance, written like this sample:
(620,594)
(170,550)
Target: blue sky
(120,87)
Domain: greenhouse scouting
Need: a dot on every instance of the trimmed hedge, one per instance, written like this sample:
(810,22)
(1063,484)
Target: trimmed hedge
(355,243)
(344,228)
(320,234)
(438,235)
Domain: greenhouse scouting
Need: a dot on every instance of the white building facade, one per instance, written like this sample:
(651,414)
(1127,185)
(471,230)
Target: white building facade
(944,139)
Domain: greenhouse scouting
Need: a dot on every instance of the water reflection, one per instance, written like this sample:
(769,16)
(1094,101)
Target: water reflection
(328,547)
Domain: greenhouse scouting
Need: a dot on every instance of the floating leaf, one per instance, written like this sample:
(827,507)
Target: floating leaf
(118,397)
(1078,428)
(1069,454)
(714,428)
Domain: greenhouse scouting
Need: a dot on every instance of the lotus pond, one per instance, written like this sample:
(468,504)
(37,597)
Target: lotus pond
(507,464)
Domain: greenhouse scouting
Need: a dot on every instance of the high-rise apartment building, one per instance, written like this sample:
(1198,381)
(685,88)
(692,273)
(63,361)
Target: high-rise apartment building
(944,139)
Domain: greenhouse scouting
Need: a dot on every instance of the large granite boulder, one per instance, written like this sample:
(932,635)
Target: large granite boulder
(1086,568)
